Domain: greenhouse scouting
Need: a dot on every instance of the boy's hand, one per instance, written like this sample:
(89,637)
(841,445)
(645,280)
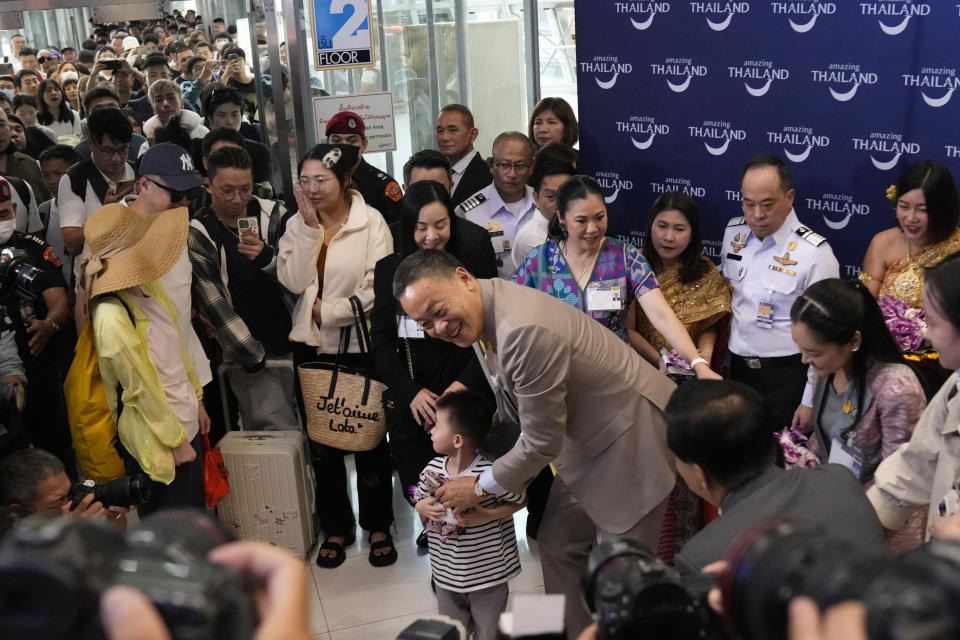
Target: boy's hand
(430,508)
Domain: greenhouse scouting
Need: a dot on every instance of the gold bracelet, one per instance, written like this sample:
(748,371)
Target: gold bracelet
(864,277)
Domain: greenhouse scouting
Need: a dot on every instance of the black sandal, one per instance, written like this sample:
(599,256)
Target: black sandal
(386,559)
(339,550)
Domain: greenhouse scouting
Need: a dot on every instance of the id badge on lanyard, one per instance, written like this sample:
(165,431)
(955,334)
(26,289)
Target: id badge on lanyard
(497,238)
(765,313)
(604,297)
(407,327)
(846,456)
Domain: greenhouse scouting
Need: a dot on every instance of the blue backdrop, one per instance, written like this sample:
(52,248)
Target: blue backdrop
(679,95)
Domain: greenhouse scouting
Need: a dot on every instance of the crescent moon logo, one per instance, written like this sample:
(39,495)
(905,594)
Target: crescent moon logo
(643,26)
(798,157)
(609,83)
(837,225)
(938,102)
(897,30)
(844,97)
(680,88)
(718,151)
(643,145)
(885,166)
(762,91)
(803,28)
(720,26)
(610,199)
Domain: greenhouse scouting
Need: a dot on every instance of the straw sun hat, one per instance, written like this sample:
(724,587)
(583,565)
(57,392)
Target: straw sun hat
(127,248)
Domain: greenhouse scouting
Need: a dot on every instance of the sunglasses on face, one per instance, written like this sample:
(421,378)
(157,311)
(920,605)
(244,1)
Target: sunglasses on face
(177,195)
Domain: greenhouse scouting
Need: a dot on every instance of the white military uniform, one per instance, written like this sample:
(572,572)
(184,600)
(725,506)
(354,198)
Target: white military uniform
(487,209)
(766,276)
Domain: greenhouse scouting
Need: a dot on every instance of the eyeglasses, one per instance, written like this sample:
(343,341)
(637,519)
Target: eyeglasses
(121,151)
(306,181)
(176,195)
(230,193)
(507,166)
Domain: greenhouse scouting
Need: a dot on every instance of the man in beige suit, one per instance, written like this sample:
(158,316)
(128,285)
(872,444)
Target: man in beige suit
(582,399)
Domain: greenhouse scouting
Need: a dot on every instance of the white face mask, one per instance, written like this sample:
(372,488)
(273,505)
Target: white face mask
(69,75)
(7,227)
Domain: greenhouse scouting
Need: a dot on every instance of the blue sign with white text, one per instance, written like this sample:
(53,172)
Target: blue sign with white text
(342,34)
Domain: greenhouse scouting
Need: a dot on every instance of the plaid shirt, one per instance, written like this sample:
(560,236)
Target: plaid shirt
(211,295)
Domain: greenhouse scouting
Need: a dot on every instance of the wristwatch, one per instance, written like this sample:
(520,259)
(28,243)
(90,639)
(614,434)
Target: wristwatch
(477,489)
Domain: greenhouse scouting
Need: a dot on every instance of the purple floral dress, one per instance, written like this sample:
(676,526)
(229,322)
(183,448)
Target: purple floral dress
(619,264)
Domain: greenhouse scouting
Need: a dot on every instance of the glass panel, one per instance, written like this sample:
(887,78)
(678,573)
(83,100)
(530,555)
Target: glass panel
(558,59)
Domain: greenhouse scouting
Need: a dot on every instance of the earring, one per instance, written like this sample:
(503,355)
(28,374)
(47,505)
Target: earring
(856,348)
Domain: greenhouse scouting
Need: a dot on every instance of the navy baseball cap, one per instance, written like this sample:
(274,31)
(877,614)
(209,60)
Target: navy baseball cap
(172,164)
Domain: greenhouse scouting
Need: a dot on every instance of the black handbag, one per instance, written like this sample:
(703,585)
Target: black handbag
(400,422)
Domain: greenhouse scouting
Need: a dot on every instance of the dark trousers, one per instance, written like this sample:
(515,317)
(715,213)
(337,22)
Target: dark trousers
(45,413)
(780,383)
(186,491)
(374,474)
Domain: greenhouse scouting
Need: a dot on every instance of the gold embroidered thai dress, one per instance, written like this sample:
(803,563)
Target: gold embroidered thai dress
(904,278)
(699,304)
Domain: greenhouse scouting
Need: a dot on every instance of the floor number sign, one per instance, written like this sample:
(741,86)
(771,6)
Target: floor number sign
(342,34)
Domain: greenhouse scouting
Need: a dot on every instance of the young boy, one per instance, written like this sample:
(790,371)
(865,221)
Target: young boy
(473,556)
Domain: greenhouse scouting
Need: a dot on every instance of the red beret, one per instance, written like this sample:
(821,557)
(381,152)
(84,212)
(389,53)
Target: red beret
(345,122)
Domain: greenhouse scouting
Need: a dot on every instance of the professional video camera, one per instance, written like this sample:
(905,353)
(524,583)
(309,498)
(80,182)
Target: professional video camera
(17,275)
(119,492)
(636,596)
(53,571)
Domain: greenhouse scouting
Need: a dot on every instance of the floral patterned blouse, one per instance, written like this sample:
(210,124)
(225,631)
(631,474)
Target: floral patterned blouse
(618,264)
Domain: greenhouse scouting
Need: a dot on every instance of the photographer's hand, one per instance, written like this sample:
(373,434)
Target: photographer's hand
(946,527)
(87,508)
(844,621)
(280,579)
(127,614)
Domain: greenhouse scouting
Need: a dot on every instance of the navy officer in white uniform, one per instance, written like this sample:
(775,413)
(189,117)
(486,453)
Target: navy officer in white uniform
(507,203)
(769,259)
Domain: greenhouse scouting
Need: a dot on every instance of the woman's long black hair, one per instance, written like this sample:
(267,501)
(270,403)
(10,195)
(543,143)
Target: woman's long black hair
(691,266)
(419,195)
(44,116)
(834,310)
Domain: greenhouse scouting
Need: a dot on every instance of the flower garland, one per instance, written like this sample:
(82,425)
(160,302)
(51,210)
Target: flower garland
(908,325)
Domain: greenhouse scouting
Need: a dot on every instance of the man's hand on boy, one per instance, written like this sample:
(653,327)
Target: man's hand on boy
(475,517)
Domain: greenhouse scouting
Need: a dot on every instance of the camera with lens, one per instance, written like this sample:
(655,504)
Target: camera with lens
(119,492)
(54,570)
(17,275)
(635,595)
(912,597)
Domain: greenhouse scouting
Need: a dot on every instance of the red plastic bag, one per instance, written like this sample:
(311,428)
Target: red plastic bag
(215,473)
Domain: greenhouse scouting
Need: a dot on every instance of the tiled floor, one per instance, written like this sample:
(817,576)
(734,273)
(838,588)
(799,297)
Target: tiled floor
(356,601)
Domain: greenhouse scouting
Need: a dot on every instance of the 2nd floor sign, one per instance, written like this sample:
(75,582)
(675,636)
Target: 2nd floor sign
(342,34)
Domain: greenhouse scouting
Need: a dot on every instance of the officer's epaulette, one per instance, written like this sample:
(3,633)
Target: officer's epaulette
(470,203)
(737,221)
(810,236)
(37,240)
